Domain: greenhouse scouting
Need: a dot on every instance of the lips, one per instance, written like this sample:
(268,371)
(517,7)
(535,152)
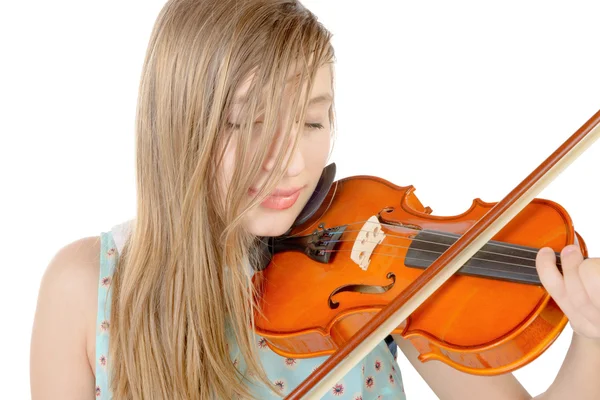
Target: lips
(285,192)
(280,192)
(281,198)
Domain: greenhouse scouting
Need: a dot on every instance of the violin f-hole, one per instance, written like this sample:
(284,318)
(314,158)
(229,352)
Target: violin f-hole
(359,288)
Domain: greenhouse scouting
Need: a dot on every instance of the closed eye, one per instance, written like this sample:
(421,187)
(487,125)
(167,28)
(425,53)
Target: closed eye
(314,125)
(309,125)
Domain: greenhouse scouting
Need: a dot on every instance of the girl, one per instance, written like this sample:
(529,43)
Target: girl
(234,128)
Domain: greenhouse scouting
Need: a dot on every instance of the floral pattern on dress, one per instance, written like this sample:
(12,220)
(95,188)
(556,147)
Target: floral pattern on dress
(375,377)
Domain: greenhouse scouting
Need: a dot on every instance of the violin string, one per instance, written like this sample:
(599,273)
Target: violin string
(431,242)
(439,252)
(446,246)
(441,234)
(505,245)
(525,272)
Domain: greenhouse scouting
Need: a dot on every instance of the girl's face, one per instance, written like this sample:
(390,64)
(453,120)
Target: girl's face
(277,213)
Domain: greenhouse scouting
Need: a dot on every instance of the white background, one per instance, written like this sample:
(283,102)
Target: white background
(460,99)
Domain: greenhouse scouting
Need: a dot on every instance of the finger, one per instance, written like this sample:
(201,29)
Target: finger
(571,258)
(580,296)
(550,276)
(589,271)
(556,286)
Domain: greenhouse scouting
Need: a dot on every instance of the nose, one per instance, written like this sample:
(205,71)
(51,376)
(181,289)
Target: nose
(296,163)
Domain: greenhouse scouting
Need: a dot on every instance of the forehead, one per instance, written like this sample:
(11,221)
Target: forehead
(322,84)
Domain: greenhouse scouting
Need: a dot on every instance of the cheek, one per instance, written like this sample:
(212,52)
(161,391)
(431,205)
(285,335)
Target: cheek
(316,151)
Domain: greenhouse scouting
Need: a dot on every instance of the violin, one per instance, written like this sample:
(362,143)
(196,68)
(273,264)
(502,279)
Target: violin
(368,249)
(358,252)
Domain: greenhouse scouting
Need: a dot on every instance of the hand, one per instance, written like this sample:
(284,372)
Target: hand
(576,290)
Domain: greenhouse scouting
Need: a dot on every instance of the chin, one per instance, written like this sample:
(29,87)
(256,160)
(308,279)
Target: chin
(266,222)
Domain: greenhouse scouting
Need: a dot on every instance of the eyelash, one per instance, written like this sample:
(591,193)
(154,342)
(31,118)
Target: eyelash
(308,125)
(314,125)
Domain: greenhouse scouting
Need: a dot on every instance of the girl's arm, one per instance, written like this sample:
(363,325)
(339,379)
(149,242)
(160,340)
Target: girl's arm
(577,379)
(451,384)
(60,367)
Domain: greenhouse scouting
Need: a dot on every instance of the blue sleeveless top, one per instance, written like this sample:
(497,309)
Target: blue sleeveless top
(377,376)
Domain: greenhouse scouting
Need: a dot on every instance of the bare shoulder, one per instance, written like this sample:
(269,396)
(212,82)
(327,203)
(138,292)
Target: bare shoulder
(63,335)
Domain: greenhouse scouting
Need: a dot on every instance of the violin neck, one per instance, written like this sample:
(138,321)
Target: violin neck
(495,260)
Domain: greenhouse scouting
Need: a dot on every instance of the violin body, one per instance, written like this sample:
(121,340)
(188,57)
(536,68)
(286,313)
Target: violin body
(369,239)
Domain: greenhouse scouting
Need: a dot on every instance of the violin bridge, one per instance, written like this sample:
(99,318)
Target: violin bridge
(370,235)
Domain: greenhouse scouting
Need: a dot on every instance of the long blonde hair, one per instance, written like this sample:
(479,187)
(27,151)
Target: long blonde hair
(182,281)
